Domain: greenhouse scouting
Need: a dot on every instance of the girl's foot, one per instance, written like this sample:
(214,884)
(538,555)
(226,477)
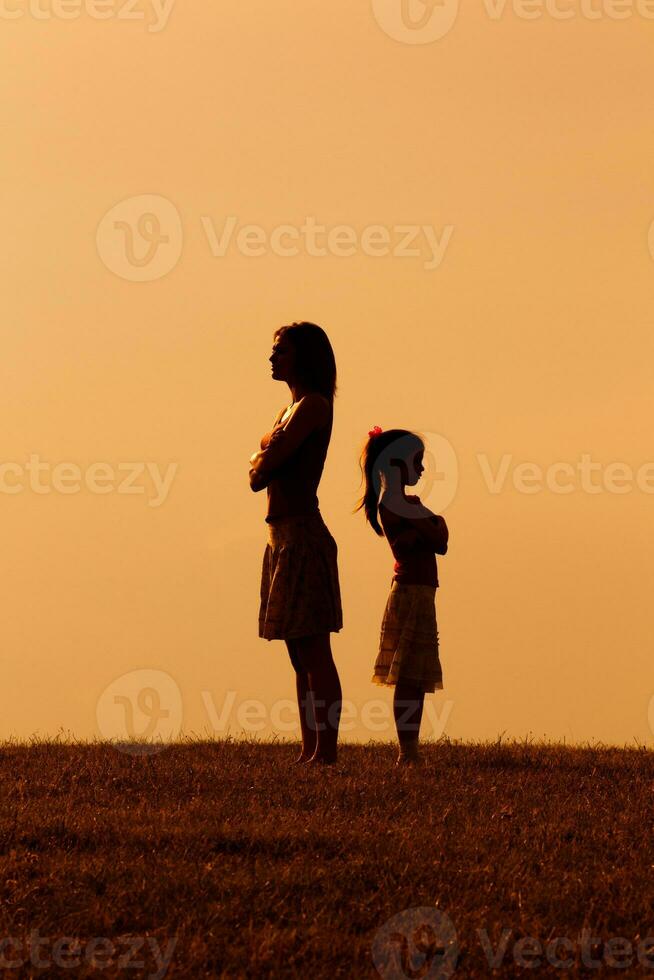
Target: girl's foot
(409,756)
(322,759)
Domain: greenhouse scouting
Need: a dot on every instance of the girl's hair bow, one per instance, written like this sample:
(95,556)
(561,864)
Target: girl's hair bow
(375,431)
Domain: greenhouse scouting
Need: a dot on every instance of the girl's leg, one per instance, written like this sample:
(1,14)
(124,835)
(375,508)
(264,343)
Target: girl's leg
(408,703)
(315,655)
(304,704)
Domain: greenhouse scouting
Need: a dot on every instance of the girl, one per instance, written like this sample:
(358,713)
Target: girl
(408,646)
(300,592)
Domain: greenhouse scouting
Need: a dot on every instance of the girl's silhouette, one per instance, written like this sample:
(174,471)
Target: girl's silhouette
(300,593)
(408,646)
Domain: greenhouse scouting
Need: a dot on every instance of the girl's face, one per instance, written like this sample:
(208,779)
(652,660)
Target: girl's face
(282,359)
(418,467)
(410,468)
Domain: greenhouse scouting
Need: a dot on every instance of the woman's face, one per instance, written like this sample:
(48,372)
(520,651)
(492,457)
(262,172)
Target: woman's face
(282,359)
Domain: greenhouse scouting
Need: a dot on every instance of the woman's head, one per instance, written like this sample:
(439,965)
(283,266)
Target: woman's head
(389,460)
(302,354)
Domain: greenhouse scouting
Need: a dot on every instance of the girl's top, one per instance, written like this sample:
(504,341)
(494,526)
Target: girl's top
(292,488)
(417,567)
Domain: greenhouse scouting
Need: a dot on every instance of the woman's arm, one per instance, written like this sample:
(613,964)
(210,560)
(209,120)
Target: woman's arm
(312,412)
(255,482)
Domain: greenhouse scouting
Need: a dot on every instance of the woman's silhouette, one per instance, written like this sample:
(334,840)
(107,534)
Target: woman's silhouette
(300,594)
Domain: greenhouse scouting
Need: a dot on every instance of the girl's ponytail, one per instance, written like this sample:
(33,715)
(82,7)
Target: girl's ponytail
(371,480)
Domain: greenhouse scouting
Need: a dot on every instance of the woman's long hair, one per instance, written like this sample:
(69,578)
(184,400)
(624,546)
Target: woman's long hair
(380,454)
(315,365)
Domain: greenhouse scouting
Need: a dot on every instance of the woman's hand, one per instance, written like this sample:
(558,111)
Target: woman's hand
(273,439)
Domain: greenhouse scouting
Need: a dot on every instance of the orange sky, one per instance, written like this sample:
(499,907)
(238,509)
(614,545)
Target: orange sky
(524,147)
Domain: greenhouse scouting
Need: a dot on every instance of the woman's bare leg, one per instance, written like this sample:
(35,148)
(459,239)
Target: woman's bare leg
(408,703)
(305,706)
(315,655)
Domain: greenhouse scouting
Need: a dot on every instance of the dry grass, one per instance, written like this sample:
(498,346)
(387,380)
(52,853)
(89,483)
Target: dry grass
(250,867)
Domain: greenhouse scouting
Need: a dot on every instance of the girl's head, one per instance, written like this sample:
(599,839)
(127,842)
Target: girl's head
(302,354)
(389,461)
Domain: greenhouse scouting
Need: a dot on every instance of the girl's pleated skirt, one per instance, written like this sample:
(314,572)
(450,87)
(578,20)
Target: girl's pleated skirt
(300,592)
(408,642)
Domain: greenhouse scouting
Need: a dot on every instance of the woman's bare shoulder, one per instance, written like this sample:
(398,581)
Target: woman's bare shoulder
(315,401)
(315,407)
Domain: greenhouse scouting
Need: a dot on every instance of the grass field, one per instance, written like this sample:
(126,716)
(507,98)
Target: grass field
(222,860)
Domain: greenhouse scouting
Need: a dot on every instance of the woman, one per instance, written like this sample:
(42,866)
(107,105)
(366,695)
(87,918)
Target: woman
(300,593)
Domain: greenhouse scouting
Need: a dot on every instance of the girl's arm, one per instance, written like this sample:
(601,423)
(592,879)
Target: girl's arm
(417,526)
(431,527)
(405,542)
(311,413)
(434,530)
